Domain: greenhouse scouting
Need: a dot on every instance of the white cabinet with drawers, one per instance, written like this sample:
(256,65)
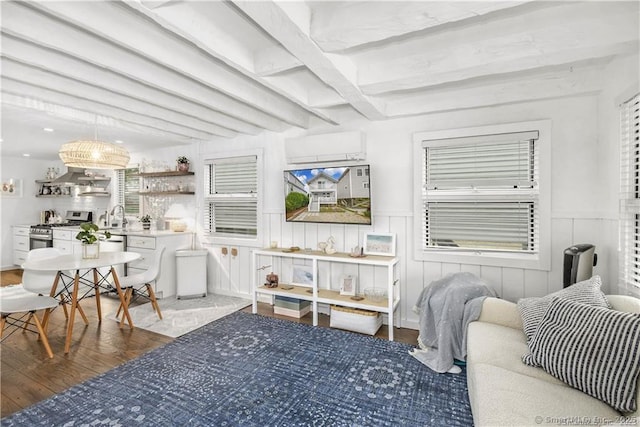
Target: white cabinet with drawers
(62,240)
(147,246)
(20,244)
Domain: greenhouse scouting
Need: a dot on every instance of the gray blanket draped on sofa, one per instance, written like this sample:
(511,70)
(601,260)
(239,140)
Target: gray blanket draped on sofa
(446,307)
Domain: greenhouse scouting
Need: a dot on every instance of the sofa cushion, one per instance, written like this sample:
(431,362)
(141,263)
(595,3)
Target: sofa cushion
(532,309)
(501,397)
(593,349)
(502,346)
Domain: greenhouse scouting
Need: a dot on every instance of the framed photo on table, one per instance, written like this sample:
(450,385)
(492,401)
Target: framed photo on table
(379,244)
(348,284)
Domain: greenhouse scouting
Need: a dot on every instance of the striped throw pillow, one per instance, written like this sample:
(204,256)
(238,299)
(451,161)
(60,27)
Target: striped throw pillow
(593,349)
(585,292)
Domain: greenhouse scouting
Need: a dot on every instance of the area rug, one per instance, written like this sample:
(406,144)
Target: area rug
(250,370)
(180,316)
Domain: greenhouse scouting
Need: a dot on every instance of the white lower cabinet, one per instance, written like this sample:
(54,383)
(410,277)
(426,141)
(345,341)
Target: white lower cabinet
(20,244)
(147,247)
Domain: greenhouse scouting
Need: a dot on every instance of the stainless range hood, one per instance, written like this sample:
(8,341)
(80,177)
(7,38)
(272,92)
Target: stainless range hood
(71,177)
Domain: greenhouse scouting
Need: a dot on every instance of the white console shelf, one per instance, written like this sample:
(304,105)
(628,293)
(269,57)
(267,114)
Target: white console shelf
(268,260)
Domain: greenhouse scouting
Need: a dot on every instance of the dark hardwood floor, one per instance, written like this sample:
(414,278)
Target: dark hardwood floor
(28,375)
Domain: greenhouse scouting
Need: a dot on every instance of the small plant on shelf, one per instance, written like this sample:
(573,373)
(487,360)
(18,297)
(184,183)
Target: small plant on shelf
(183,164)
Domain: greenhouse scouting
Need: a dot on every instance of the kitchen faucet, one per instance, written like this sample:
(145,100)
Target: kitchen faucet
(124,218)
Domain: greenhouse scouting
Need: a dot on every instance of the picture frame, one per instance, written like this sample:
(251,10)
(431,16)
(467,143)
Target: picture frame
(11,188)
(379,244)
(348,284)
(302,275)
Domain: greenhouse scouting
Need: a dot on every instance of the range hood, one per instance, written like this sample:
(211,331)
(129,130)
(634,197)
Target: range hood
(71,177)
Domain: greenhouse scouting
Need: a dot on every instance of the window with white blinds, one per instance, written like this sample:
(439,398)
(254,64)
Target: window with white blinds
(128,182)
(231,196)
(630,194)
(481,193)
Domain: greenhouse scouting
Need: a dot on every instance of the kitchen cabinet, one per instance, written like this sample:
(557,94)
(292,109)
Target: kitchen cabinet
(147,246)
(364,269)
(62,241)
(20,244)
(167,183)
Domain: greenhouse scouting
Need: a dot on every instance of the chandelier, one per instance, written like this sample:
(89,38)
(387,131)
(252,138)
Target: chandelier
(94,154)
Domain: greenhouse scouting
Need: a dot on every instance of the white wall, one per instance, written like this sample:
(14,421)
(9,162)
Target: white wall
(583,207)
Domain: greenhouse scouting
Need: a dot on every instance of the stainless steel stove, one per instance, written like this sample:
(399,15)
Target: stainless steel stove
(41,235)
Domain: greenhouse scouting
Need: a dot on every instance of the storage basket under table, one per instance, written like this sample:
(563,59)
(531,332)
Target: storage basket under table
(355,319)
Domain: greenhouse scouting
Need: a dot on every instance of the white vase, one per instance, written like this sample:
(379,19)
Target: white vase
(90,250)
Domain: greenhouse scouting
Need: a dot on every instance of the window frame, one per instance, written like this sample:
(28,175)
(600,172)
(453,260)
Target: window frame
(222,238)
(629,199)
(121,189)
(537,261)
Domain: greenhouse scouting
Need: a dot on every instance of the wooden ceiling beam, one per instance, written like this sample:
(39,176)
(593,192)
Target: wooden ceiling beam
(163,47)
(290,28)
(510,44)
(555,84)
(37,56)
(343,25)
(55,82)
(27,24)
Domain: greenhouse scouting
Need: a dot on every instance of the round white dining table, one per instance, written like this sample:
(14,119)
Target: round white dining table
(74,262)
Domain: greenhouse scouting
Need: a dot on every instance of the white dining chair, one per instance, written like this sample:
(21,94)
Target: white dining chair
(39,282)
(18,308)
(141,284)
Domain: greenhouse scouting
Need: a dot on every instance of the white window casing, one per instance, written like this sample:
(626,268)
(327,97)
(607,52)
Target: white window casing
(482,195)
(630,196)
(232,208)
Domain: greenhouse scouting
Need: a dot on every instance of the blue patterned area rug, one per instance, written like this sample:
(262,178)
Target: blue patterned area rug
(250,370)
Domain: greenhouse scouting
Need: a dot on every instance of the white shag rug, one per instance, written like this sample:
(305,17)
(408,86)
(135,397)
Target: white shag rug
(180,316)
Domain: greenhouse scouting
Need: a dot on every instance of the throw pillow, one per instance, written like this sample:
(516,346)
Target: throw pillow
(586,292)
(593,349)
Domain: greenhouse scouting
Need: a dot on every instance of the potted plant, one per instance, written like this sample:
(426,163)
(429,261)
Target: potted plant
(146,222)
(91,239)
(183,164)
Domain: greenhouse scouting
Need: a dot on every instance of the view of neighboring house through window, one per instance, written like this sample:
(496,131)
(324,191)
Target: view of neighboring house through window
(630,195)
(128,182)
(231,196)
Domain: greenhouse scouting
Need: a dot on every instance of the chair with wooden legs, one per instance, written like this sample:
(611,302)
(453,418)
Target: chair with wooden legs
(140,285)
(18,310)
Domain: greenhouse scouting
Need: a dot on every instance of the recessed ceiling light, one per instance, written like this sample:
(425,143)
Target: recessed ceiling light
(118,141)
(47,129)
(26,155)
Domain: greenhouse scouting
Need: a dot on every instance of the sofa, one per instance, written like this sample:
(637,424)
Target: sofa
(504,391)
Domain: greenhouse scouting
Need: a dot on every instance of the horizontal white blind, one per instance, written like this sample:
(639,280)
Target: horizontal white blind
(499,162)
(128,190)
(231,187)
(630,192)
(481,193)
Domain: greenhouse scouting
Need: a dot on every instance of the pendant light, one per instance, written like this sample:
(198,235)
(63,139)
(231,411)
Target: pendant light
(93,154)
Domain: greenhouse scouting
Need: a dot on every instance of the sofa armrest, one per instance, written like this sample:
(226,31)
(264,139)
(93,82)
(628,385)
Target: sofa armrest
(501,312)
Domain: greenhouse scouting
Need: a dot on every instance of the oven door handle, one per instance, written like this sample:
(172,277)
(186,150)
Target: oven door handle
(39,237)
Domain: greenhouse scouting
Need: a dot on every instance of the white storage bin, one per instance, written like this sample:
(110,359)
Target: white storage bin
(356,320)
(191,271)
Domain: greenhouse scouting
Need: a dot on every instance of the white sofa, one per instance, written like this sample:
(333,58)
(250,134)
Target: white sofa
(503,391)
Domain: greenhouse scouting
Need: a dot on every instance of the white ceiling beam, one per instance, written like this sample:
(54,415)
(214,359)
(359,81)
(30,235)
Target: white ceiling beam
(274,60)
(28,53)
(161,46)
(555,84)
(342,25)
(17,87)
(24,23)
(290,28)
(510,44)
(190,22)
(47,80)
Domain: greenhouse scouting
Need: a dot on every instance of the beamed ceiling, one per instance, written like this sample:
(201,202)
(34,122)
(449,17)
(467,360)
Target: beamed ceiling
(165,73)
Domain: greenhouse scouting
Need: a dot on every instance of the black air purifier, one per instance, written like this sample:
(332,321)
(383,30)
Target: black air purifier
(578,263)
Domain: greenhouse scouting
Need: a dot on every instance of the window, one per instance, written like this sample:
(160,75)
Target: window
(231,197)
(128,187)
(630,195)
(479,196)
